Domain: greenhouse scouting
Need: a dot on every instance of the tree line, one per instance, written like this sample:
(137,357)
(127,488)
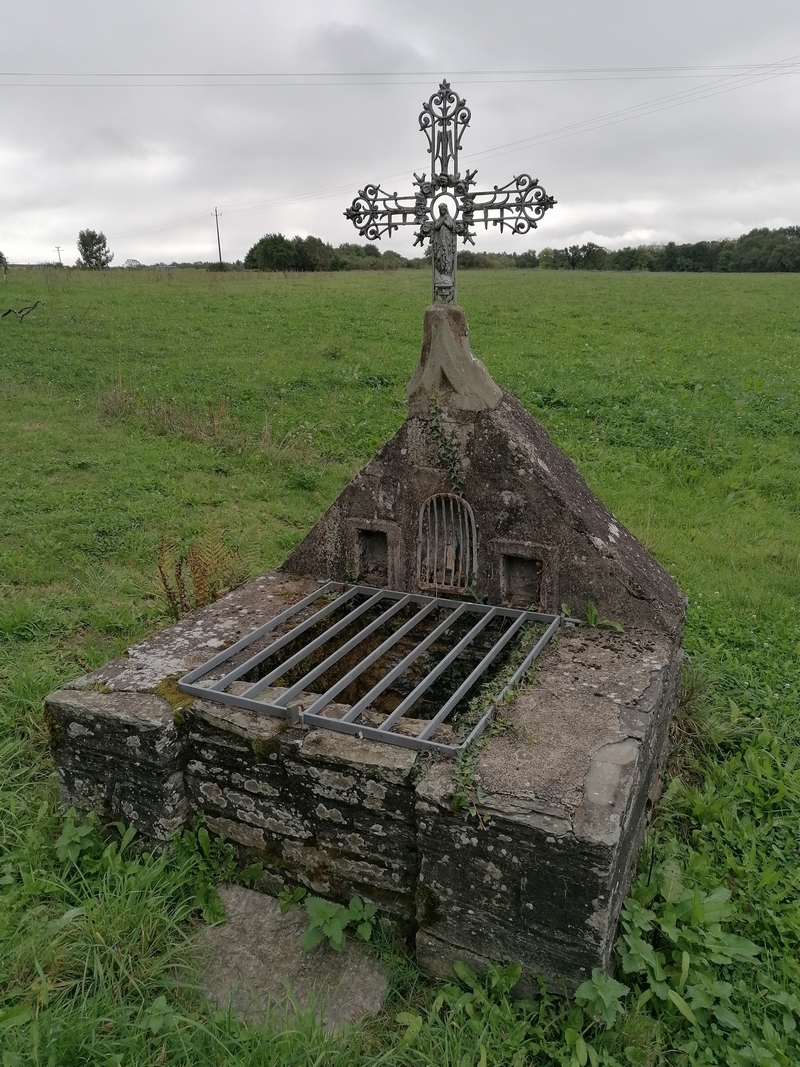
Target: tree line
(276,252)
(759,250)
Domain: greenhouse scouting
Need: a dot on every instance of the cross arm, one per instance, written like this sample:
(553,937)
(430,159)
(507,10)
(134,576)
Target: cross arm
(374,212)
(518,205)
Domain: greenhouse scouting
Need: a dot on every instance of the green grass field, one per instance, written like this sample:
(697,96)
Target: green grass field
(134,401)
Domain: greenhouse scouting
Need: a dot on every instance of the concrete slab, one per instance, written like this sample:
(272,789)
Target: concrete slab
(254,961)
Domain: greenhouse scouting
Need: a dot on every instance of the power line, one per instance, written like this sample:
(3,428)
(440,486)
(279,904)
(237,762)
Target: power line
(340,84)
(727,83)
(334,78)
(161,226)
(662,103)
(585,126)
(375,73)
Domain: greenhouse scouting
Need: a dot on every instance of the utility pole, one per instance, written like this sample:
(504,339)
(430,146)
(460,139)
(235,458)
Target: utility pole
(58,249)
(219,246)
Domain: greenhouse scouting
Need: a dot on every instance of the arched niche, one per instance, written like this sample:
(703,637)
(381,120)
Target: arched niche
(447,549)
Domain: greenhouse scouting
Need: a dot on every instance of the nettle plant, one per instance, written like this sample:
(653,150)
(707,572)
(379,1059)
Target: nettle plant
(329,921)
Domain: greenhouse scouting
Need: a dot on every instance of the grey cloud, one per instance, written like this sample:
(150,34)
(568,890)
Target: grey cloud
(130,159)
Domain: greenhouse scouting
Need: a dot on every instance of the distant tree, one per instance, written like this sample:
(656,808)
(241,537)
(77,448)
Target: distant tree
(646,259)
(758,250)
(547,259)
(351,256)
(769,250)
(526,260)
(475,261)
(668,259)
(272,252)
(640,258)
(593,257)
(312,253)
(573,256)
(391,260)
(4,265)
(580,257)
(133,264)
(93,249)
(726,257)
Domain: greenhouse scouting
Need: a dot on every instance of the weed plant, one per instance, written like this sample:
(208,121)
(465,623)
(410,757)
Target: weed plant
(131,401)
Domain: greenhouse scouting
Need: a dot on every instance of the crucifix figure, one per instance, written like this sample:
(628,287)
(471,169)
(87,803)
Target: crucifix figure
(446,206)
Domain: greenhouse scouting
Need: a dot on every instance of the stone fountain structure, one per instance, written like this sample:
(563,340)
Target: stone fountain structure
(515,845)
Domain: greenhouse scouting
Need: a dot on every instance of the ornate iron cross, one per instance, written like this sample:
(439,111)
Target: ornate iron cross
(518,205)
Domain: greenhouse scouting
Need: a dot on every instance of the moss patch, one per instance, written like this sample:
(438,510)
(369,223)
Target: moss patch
(168,689)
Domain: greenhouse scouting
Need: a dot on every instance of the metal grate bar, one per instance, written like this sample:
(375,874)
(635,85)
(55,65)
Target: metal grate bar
(403,665)
(270,650)
(348,646)
(435,550)
(516,677)
(440,667)
(446,551)
(374,733)
(477,609)
(235,700)
(367,662)
(456,545)
(468,682)
(312,646)
(463,553)
(273,624)
(537,648)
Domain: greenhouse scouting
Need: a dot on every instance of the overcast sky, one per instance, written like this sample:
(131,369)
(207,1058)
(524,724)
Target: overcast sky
(647,121)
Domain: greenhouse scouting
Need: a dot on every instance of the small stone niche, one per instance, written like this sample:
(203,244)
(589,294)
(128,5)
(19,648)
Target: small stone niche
(446,545)
(373,558)
(522,581)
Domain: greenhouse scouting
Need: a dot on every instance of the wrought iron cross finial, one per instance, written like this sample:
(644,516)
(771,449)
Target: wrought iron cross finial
(445,206)
(443,121)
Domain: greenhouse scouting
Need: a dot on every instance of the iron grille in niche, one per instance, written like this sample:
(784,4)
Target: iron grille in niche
(447,557)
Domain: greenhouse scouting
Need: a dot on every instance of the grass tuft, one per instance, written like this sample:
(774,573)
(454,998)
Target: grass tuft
(116,401)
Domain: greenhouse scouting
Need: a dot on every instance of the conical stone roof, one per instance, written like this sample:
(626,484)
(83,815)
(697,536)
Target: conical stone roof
(469,439)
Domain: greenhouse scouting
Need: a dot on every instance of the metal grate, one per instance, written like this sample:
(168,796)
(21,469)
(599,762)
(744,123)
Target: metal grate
(402,668)
(447,558)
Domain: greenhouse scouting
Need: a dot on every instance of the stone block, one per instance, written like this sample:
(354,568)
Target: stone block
(254,962)
(120,754)
(332,813)
(193,640)
(538,872)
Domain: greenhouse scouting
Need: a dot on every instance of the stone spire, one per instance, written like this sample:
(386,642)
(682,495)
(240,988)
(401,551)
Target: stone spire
(447,369)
